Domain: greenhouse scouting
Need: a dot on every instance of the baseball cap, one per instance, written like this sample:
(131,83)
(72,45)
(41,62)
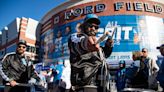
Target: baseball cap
(122,62)
(160,46)
(92,18)
(22,42)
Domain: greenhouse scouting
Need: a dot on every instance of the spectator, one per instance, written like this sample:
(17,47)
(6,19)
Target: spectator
(65,79)
(42,76)
(15,68)
(87,59)
(159,60)
(150,69)
(120,76)
(57,75)
(133,78)
(160,76)
(50,78)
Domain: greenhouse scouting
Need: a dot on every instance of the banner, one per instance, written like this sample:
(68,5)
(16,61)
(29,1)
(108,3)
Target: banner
(132,34)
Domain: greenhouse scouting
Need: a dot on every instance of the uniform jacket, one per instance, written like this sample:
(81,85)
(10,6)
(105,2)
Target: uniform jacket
(85,64)
(13,68)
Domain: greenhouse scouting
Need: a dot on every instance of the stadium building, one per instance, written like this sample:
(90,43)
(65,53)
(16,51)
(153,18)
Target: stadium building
(140,23)
(21,28)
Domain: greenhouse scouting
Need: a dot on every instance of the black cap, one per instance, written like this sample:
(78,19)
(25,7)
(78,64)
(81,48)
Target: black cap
(122,62)
(22,42)
(160,46)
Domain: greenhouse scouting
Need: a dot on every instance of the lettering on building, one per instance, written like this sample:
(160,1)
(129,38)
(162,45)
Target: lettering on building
(85,10)
(118,6)
(138,6)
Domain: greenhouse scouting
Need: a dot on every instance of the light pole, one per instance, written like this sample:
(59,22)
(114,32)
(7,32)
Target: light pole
(6,40)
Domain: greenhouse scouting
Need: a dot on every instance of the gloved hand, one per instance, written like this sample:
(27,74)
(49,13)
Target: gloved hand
(41,84)
(32,81)
(75,38)
(109,42)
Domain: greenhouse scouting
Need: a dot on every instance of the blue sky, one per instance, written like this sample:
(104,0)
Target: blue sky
(35,9)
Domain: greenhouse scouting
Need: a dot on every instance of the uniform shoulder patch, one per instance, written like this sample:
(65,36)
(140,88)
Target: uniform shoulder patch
(75,38)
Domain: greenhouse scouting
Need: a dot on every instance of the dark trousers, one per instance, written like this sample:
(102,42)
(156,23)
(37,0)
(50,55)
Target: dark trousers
(91,89)
(61,89)
(16,89)
(50,87)
(87,89)
(53,87)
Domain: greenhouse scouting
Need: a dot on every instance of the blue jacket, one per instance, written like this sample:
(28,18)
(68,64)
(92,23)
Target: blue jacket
(58,75)
(120,79)
(160,76)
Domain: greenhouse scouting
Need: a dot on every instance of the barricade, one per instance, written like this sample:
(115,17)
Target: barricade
(33,87)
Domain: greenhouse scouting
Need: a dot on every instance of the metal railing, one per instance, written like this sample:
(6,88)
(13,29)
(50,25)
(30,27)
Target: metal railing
(33,87)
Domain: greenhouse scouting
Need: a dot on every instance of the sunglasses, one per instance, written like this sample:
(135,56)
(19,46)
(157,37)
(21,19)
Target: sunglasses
(93,25)
(22,47)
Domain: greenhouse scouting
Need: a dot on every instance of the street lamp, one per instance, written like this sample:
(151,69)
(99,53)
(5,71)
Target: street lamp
(6,28)
(6,31)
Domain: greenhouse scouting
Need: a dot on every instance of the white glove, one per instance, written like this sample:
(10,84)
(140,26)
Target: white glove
(32,81)
(75,38)
(42,84)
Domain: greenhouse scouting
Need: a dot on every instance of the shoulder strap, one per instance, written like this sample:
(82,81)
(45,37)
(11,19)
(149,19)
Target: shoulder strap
(101,55)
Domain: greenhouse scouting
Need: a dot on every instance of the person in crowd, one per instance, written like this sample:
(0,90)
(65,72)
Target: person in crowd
(159,60)
(160,76)
(134,77)
(57,75)
(65,83)
(42,75)
(15,68)
(150,68)
(120,76)
(50,78)
(87,57)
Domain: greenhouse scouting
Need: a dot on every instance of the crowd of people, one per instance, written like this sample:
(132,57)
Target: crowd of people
(86,70)
(141,74)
